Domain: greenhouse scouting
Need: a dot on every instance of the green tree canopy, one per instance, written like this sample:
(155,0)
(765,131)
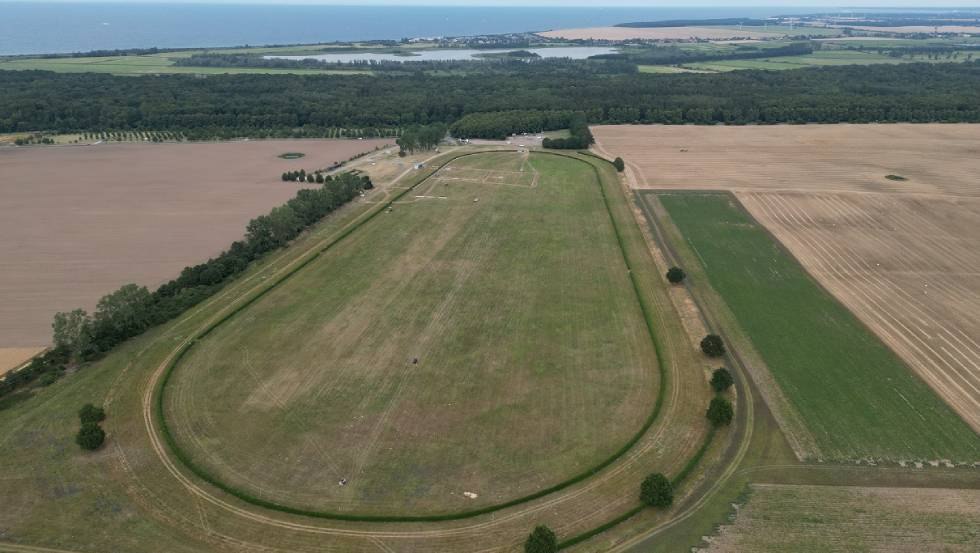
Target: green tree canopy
(676,275)
(90,436)
(656,491)
(721,379)
(713,346)
(541,540)
(720,412)
(91,413)
(73,331)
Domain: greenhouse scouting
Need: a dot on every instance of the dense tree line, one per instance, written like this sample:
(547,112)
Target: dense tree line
(499,124)
(258,105)
(492,64)
(580,137)
(421,137)
(132,309)
(667,55)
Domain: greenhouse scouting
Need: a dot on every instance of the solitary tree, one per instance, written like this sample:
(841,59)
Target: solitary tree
(721,379)
(676,275)
(90,436)
(619,164)
(91,413)
(656,491)
(720,412)
(541,540)
(712,346)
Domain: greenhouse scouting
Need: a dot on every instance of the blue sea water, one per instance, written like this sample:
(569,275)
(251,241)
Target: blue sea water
(42,27)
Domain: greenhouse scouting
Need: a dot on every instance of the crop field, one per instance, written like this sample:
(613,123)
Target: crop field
(546,349)
(661,33)
(832,519)
(857,398)
(898,253)
(120,213)
(413,361)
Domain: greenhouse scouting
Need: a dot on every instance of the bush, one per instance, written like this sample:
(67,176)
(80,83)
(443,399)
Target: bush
(720,412)
(656,491)
(91,413)
(676,275)
(48,379)
(541,540)
(712,346)
(90,436)
(619,164)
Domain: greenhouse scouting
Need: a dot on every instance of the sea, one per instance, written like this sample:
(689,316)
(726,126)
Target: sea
(28,27)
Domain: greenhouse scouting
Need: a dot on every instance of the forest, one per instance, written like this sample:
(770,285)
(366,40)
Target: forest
(523,98)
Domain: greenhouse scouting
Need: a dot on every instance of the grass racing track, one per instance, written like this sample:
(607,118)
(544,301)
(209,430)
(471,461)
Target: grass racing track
(134,494)
(480,335)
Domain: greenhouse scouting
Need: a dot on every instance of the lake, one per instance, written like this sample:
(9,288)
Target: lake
(573,52)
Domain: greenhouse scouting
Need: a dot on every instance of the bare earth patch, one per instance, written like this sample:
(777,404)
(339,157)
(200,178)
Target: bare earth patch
(79,221)
(658,33)
(899,254)
(11,358)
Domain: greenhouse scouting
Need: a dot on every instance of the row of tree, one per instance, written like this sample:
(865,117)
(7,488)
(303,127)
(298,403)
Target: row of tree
(222,106)
(421,138)
(656,490)
(580,136)
(132,309)
(669,55)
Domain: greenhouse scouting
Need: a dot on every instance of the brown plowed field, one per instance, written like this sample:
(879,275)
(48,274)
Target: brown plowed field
(79,221)
(899,254)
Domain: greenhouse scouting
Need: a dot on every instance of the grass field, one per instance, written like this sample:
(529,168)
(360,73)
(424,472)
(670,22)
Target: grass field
(831,519)
(857,398)
(533,359)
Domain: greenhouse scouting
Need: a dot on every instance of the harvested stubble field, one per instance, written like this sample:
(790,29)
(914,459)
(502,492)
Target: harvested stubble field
(619,34)
(898,254)
(79,221)
(134,494)
(832,519)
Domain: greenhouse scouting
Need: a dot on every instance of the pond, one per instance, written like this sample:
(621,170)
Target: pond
(573,52)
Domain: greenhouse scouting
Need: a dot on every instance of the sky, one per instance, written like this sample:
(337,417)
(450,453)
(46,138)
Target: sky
(829,4)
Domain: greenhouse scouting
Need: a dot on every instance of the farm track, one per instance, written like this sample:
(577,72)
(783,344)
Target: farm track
(506,528)
(666,257)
